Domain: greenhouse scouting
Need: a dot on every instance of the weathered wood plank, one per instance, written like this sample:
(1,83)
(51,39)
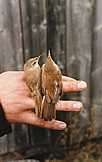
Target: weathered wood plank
(56,31)
(34,24)
(19,139)
(11,58)
(3,145)
(96,88)
(79,40)
(10,36)
(79,16)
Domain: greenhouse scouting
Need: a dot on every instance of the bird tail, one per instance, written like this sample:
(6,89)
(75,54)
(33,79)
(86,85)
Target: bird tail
(48,110)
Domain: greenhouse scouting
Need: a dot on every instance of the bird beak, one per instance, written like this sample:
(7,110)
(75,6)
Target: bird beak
(49,54)
(38,57)
(40,60)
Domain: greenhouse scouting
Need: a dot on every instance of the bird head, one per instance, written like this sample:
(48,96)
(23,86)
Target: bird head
(31,63)
(49,63)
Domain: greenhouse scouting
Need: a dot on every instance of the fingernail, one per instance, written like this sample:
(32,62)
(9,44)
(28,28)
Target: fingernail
(82,84)
(78,105)
(62,126)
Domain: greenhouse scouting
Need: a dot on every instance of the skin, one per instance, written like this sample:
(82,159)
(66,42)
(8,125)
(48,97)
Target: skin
(18,105)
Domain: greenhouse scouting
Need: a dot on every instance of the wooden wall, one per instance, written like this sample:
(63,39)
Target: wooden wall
(72,30)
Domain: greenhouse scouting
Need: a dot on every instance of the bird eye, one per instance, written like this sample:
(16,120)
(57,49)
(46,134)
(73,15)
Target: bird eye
(33,63)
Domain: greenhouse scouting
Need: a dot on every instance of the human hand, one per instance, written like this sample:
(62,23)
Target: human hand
(18,106)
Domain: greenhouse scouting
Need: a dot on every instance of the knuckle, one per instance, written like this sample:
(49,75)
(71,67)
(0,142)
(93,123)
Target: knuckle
(41,123)
(72,86)
(52,125)
(66,107)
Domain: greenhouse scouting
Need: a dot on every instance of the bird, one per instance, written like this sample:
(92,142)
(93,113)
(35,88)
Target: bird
(32,75)
(51,88)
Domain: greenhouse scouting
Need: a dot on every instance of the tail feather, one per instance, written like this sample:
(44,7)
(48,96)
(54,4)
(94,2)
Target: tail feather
(48,110)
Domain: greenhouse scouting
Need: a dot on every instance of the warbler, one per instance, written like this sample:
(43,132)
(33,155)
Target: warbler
(51,88)
(32,75)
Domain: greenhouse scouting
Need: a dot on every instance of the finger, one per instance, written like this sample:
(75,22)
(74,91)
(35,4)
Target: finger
(23,103)
(69,106)
(29,117)
(22,89)
(65,78)
(74,86)
(28,103)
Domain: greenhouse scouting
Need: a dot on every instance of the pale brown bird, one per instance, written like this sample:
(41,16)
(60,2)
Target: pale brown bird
(32,74)
(51,88)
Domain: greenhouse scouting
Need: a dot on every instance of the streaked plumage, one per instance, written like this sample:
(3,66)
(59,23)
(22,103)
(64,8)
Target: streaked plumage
(51,88)
(32,73)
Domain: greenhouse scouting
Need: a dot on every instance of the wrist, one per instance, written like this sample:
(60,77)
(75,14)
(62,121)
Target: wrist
(5,127)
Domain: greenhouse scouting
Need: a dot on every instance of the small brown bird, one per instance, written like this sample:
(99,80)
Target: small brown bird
(51,88)
(32,73)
